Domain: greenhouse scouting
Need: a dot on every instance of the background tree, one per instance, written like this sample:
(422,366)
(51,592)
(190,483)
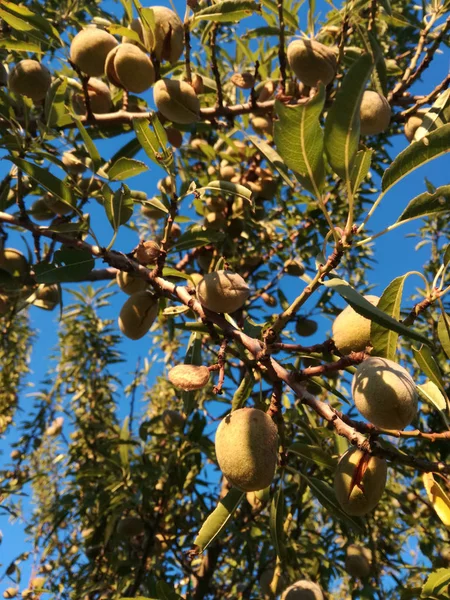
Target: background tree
(272,158)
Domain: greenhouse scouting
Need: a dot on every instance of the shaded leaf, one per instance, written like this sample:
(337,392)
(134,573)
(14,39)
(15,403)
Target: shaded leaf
(443,331)
(217,520)
(124,168)
(313,453)
(342,125)
(361,166)
(366,309)
(427,203)
(90,146)
(429,366)
(195,239)
(56,113)
(153,139)
(436,116)
(69,264)
(435,144)
(118,206)
(47,180)
(276,519)
(243,391)
(272,157)
(298,137)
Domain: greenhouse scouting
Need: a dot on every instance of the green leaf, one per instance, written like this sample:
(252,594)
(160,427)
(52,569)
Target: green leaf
(217,520)
(243,391)
(124,168)
(427,203)
(38,21)
(118,206)
(156,203)
(56,113)
(124,447)
(20,46)
(69,264)
(276,519)
(386,4)
(228,11)
(436,116)
(429,366)
(43,177)
(384,340)
(437,584)
(435,144)
(298,137)
(366,309)
(326,496)
(226,187)
(443,331)
(289,19)
(432,394)
(313,453)
(342,125)
(446,258)
(361,166)
(273,158)
(166,592)
(153,139)
(196,239)
(90,146)
(379,75)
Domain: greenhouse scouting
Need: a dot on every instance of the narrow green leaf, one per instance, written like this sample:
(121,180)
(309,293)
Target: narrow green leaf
(432,394)
(446,258)
(276,519)
(124,448)
(361,166)
(427,204)
(69,265)
(124,168)
(90,146)
(19,46)
(342,125)
(273,158)
(437,584)
(148,140)
(298,137)
(386,4)
(56,113)
(435,144)
(443,331)
(156,204)
(366,309)
(313,453)
(436,116)
(118,206)
(128,7)
(379,74)
(290,19)
(38,21)
(243,391)
(196,239)
(226,187)
(429,366)
(384,340)
(228,11)
(217,520)
(59,189)
(166,592)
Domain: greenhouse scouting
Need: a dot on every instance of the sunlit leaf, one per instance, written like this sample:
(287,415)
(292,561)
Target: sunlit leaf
(438,497)
(218,519)
(427,204)
(228,11)
(384,341)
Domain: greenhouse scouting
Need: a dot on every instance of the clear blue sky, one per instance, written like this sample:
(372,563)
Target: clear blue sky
(395,255)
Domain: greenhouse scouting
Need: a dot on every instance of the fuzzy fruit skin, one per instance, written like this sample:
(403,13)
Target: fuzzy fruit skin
(173,420)
(48,297)
(130,526)
(131,67)
(375,113)
(246,449)
(137,315)
(384,393)
(130,284)
(312,62)
(222,291)
(89,49)
(411,126)
(30,78)
(351,331)
(99,97)
(167,40)
(189,377)
(358,561)
(362,498)
(147,252)
(303,590)
(14,262)
(176,100)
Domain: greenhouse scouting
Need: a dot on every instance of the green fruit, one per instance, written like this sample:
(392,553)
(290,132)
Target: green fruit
(384,393)
(128,67)
(189,377)
(89,49)
(40,211)
(306,327)
(303,590)
(312,62)
(30,78)
(47,297)
(147,253)
(358,561)
(130,284)
(266,579)
(222,291)
(173,420)
(130,526)
(375,113)
(57,207)
(294,267)
(359,481)
(351,331)
(246,449)
(176,100)
(138,315)
(167,37)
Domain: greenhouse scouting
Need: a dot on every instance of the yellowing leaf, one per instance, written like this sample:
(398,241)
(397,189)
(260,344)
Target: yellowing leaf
(438,498)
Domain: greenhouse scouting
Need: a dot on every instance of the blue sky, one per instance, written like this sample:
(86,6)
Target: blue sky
(395,255)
